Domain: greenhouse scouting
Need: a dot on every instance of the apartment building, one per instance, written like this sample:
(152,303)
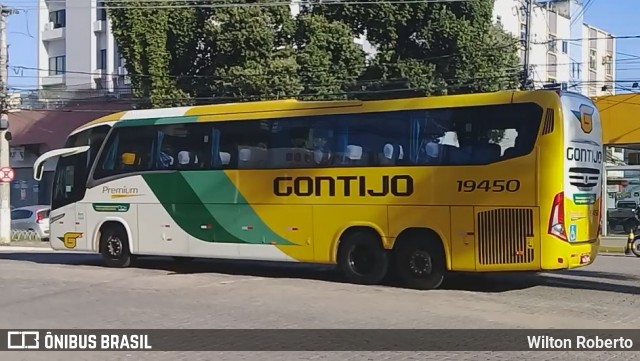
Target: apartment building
(76,49)
(563,50)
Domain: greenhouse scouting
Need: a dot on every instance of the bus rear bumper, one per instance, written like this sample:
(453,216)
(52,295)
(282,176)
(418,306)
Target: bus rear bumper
(573,255)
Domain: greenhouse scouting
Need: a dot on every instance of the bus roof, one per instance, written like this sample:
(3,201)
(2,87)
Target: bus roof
(292,107)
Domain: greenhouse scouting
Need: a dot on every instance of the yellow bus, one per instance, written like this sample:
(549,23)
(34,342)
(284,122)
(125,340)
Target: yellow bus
(418,187)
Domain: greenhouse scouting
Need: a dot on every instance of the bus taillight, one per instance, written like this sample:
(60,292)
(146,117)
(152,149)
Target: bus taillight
(556,221)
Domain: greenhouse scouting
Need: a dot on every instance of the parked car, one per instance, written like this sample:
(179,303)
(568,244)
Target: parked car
(32,218)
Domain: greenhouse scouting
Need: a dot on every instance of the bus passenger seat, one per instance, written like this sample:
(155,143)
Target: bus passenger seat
(244,157)
(225,158)
(353,153)
(386,158)
(185,158)
(486,153)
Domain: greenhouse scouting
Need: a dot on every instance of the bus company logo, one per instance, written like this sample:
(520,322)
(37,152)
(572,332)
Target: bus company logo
(585,116)
(70,239)
(121,192)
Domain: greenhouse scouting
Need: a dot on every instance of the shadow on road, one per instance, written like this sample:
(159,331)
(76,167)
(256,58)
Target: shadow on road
(486,282)
(604,275)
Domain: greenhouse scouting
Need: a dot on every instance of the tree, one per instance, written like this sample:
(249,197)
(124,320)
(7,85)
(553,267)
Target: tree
(156,46)
(187,55)
(330,61)
(253,54)
(435,47)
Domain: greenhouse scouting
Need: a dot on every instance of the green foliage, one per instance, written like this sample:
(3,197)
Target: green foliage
(189,55)
(148,39)
(330,61)
(441,48)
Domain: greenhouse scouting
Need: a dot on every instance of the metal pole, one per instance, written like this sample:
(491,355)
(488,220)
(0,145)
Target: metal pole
(5,188)
(527,44)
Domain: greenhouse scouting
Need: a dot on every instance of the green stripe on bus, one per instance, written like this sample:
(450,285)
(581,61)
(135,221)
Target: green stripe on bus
(196,200)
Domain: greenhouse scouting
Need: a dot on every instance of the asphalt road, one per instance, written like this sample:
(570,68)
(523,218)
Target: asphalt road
(41,289)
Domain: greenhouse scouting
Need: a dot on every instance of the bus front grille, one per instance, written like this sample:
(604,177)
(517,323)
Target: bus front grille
(502,236)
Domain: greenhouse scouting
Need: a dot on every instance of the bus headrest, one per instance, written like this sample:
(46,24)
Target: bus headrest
(354,152)
(128,158)
(244,155)
(432,149)
(225,158)
(184,157)
(387,150)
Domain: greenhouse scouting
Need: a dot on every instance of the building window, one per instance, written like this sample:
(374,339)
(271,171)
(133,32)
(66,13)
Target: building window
(101,11)
(58,18)
(576,71)
(593,61)
(565,47)
(57,65)
(523,34)
(499,20)
(552,43)
(102,59)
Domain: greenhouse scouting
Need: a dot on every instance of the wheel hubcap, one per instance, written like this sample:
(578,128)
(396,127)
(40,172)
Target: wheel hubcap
(362,260)
(420,263)
(114,247)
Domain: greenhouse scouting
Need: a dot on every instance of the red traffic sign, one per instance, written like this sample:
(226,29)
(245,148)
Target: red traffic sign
(6,175)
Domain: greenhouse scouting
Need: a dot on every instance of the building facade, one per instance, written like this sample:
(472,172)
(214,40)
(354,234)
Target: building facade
(563,49)
(76,49)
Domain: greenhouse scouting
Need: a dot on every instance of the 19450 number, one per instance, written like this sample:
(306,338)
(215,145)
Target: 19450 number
(497,185)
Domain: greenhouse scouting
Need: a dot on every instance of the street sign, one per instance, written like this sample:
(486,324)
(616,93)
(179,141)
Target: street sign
(6,175)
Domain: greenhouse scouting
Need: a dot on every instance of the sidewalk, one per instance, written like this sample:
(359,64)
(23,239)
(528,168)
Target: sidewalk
(615,244)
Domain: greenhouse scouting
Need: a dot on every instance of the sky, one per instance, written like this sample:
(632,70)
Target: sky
(619,17)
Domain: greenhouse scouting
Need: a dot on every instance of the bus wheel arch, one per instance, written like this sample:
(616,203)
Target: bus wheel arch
(420,258)
(361,255)
(114,244)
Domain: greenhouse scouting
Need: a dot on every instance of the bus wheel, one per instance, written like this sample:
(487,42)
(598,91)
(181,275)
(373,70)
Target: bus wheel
(114,247)
(362,259)
(635,247)
(420,264)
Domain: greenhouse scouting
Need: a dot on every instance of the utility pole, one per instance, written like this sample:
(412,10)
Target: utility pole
(5,135)
(527,45)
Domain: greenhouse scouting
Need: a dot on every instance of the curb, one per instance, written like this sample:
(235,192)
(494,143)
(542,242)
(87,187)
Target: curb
(611,249)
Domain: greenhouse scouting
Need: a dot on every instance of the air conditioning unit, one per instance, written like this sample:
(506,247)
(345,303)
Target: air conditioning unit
(122,70)
(127,80)
(48,26)
(607,59)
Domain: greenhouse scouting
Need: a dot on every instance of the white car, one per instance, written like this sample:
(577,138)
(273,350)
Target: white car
(32,218)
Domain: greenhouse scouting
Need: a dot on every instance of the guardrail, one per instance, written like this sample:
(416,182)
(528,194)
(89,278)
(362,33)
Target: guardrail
(18,235)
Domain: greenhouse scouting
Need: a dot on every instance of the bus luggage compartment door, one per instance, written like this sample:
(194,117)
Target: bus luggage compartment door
(507,238)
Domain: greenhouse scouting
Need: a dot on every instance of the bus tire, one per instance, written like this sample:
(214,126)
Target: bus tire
(362,259)
(635,247)
(420,263)
(114,247)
